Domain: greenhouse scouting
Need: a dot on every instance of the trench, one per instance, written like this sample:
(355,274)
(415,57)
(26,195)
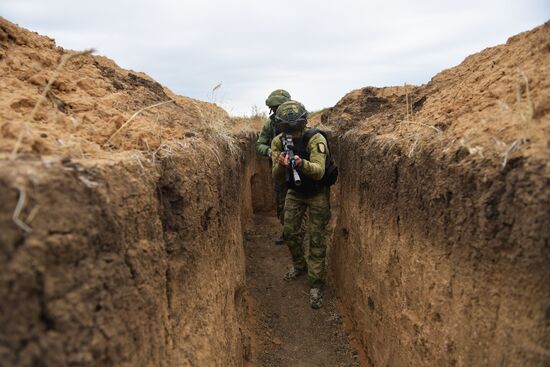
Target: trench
(438,250)
(172,264)
(285,330)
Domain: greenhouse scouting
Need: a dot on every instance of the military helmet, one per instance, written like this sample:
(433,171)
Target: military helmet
(277,97)
(290,116)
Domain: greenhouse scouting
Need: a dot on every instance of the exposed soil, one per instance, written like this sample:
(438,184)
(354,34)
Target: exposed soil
(125,265)
(91,98)
(287,332)
(495,104)
(121,224)
(121,254)
(445,211)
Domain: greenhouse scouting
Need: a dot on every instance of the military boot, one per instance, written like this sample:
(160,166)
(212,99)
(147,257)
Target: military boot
(315,298)
(294,273)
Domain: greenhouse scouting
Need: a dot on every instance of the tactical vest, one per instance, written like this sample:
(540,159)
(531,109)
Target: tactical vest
(310,186)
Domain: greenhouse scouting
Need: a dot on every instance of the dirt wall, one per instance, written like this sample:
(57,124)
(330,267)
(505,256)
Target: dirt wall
(261,185)
(128,263)
(128,248)
(438,267)
(441,246)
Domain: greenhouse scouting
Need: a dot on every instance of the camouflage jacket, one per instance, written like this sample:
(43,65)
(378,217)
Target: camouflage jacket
(313,168)
(266,136)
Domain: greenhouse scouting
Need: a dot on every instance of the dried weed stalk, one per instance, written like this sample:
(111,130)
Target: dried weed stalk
(526,115)
(422,124)
(17,212)
(214,92)
(413,147)
(409,119)
(511,148)
(134,116)
(33,213)
(408,105)
(530,108)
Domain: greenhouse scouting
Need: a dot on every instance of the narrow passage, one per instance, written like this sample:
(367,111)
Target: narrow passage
(287,332)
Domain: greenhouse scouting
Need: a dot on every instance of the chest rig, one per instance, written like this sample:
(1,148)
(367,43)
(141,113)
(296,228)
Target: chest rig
(308,185)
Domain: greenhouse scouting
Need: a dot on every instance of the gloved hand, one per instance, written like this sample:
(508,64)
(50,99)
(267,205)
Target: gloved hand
(283,159)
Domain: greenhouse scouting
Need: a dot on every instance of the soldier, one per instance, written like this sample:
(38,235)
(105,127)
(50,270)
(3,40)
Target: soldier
(263,147)
(313,165)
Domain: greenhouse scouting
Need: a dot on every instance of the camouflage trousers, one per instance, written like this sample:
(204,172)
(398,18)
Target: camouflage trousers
(280,195)
(319,215)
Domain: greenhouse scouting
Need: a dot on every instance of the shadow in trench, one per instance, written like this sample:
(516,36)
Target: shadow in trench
(286,331)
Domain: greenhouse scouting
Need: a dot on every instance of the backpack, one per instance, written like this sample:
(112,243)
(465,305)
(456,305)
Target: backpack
(331,170)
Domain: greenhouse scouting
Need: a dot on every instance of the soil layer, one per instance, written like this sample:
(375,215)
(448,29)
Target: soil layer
(127,263)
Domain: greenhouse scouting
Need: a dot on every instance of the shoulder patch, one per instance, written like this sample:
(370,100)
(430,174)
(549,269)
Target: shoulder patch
(321,148)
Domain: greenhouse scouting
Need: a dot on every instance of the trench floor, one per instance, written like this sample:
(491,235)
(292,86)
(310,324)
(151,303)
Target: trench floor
(286,331)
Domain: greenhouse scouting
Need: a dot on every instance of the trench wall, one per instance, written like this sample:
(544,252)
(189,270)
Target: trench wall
(258,181)
(128,264)
(441,264)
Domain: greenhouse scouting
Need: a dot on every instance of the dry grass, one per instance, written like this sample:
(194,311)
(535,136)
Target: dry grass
(387,144)
(414,136)
(408,105)
(422,124)
(216,129)
(471,148)
(511,148)
(471,140)
(134,116)
(412,148)
(72,147)
(25,128)
(528,116)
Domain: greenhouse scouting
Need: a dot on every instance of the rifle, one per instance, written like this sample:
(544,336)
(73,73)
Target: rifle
(288,148)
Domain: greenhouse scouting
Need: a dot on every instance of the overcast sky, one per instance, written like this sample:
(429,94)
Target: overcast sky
(317,50)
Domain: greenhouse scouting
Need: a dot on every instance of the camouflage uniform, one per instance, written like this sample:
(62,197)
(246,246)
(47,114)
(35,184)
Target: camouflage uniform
(296,204)
(263,146)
